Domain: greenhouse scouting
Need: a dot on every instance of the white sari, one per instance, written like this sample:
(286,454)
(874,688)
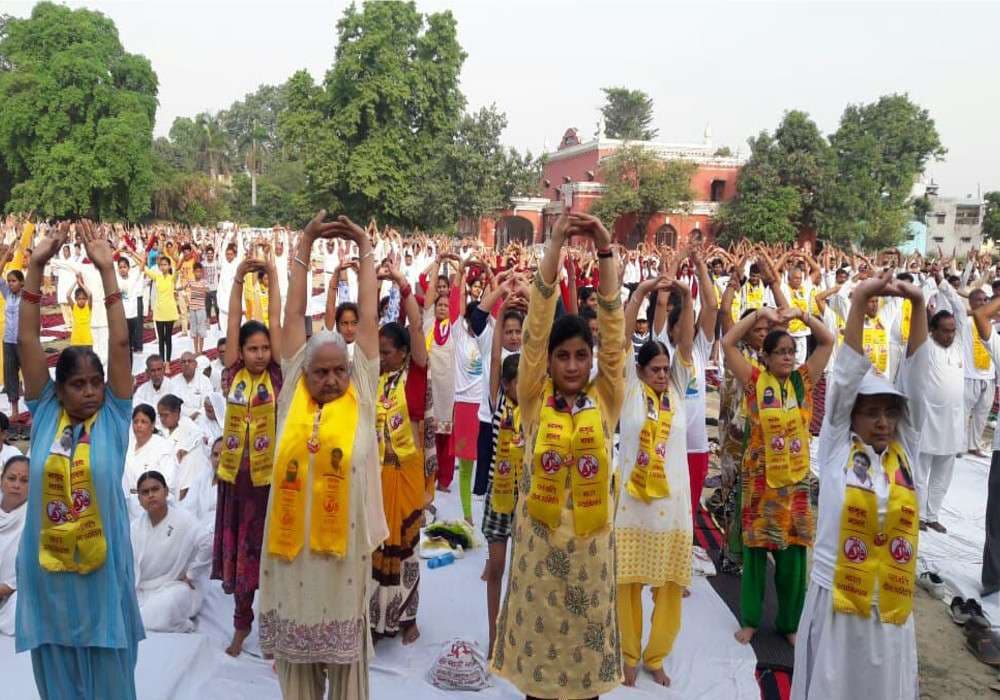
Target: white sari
(11,525)
(175,549)
(158,454)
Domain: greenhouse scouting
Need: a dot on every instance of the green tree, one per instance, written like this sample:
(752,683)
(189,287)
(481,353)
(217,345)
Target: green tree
(628,114)
(76,117)
(723,152)
(374,131)
(779,188)
(639,183)
(921,208)
(881,148)
(991,217)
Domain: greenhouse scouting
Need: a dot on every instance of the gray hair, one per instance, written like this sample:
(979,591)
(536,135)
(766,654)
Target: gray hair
(318,340)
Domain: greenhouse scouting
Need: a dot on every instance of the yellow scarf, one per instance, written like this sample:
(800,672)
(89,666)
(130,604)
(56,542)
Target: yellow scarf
(801,301)
(72,537)
(786,438)
(249,408)
(391,417)
(570,438)
(871,554)
(876,344)
(316,438)
(904,322)
(255,298)
(980,355)
(648,480)
(509,460)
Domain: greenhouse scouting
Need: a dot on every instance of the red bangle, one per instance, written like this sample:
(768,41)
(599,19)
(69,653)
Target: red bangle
(604,252)
(110,299)
(31,297)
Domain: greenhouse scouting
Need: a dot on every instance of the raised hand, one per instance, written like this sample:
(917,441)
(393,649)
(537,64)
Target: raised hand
(54,239)
(97,246)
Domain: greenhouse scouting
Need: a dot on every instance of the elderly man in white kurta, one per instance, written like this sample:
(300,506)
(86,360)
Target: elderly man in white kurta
(191,386)
(943,431)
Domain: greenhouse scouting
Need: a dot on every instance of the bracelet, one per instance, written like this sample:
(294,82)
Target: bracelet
(604,253)
(300,262)
(31,297)
(112,298)
(404,292)
(369,254)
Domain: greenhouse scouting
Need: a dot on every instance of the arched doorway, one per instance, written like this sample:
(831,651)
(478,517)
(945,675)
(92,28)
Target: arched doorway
(634,236)
(514,228)
(666,235)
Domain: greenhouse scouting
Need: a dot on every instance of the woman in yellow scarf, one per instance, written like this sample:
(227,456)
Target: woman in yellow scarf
(399,425)
(653,523)
(557,632)
(325,511)
(857,635)
(777,514)
(77,611)
(251,383)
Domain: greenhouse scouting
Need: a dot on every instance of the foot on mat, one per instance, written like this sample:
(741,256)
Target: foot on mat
(659,677)
(745,634)
(631,673)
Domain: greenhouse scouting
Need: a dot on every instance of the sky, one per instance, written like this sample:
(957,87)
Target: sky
(735,66)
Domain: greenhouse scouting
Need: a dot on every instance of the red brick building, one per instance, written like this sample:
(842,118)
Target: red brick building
(571,182)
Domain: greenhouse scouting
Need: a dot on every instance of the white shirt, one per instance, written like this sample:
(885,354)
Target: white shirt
(694,389)
(131,289)
(187,438)
(835,444)
(486,353)
(158,454)
(468,365)
(192,393)
(943,392)
(148,394)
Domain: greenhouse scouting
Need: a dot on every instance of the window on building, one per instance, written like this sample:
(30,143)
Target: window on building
(968,216)
(718,190)
(938,239)
(966,239)
(941,217)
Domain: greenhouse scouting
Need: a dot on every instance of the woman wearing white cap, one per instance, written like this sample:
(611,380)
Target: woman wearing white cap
(856,636)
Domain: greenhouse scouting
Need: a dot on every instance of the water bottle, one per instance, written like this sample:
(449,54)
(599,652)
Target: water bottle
(442,560)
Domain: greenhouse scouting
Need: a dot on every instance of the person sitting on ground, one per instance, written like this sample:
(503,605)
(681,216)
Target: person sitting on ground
(157,387)
(172,554)
(13,496)
(148,449)
(188,441)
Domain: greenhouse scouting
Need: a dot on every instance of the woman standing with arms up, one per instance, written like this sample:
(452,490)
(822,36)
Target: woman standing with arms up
(557,633)
(75,549)
(858,638)
(777,513)
(325,516)
(653,524)
(250,382)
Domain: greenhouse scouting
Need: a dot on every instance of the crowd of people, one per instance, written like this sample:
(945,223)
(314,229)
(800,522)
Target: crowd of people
(568,383)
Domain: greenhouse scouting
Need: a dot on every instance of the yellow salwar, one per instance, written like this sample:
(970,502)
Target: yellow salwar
(665,627)
(557,632)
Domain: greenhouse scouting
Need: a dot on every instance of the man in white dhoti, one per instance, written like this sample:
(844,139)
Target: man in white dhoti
(13,496)
(943,431)
(172,554)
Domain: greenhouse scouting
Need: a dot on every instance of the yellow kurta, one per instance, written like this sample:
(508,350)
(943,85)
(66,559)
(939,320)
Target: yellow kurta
(557,632)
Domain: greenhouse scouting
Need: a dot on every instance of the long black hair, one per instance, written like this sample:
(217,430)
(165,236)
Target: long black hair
(73,359)
(252,328)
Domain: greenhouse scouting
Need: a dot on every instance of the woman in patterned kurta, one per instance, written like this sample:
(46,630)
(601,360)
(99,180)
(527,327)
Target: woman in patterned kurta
(777,513)
(653,530)
(557,632)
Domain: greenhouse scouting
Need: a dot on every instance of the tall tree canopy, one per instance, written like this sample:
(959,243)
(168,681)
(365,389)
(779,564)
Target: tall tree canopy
(880,150)
(76,117)
(779,187)
(376,126)
(628,114)
(639,183)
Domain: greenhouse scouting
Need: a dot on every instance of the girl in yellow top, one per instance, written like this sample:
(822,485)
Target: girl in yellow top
(81,302)
(776,510)
(165,308)
(557,632)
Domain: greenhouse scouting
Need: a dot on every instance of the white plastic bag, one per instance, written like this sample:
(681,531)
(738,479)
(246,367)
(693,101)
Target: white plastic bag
(460,665)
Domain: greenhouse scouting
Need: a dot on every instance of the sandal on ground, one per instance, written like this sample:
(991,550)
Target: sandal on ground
(957,608)
(933,584)
(983,648)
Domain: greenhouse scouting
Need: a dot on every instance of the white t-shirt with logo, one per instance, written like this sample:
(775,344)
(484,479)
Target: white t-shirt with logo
(694,395)
(468,365)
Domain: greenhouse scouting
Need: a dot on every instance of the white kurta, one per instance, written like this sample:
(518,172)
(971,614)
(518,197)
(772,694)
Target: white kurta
(840,656)
(175,549)
(943,392)
(158,454)
(654,539)
(193,393)
(11,525)
(187,438)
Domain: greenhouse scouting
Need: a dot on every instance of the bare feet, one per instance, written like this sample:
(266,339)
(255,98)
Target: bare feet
(411,634)
(660,677)
(236,646)
(791,638)
(686,594)
(482,576)
(745,635)
(631,673)
(446,489)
